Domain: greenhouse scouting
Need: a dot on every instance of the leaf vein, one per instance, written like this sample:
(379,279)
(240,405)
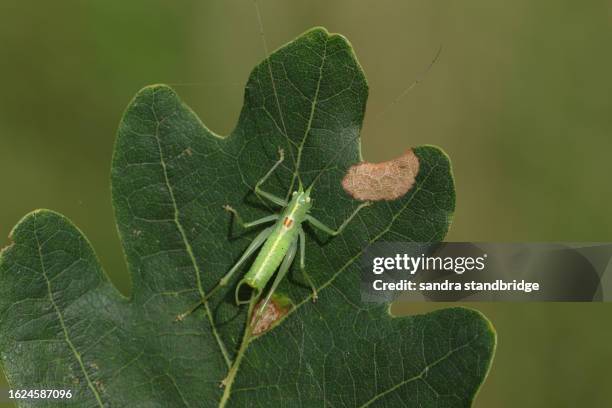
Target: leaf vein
(60,318)
(420,376)
(186,242)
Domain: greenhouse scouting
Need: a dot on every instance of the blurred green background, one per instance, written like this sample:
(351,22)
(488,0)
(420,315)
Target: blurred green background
(520,99)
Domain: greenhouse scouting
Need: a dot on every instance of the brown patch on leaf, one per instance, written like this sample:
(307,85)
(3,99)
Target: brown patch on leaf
(100,385)
(269,317)
(387,180)
(186,152)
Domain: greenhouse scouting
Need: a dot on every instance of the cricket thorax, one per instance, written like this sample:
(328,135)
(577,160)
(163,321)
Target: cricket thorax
(296,210)
(288,222)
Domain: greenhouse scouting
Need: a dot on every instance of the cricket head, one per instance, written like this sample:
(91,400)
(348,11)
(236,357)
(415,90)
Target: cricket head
(301,198)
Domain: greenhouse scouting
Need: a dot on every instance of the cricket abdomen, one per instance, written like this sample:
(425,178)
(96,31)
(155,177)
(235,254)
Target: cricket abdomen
(271,254)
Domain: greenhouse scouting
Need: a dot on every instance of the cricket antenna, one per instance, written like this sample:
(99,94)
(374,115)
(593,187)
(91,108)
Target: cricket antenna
(410,87)
(407,90)
(268,63)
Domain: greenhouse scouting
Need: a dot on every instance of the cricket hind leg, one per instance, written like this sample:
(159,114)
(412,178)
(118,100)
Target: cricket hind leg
(333,232)
(237,293)
(302,238)
(255,244)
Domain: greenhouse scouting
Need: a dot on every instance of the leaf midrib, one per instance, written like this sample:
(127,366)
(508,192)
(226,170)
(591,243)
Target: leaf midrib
(185,240)
(60,318)
(313,105)
(228,389)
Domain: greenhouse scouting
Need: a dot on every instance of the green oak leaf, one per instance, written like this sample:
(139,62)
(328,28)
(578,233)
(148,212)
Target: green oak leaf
(64,325)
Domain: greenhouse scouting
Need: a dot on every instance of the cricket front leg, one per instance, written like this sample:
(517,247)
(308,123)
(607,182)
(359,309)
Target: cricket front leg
(257,242)
(302,238)
(333,232)
(250,224)
(269,196)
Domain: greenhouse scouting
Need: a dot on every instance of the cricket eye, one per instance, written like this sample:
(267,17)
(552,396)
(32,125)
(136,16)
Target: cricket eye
(294,193)
(307,199)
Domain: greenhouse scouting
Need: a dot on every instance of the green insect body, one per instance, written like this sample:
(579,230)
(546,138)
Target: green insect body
(283,235)
(278,243)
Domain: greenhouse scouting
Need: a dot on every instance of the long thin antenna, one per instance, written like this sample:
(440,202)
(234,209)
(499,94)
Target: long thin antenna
(269,64)
(412,85)
(400,96)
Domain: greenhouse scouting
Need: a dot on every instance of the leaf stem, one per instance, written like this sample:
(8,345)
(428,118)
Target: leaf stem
(246,340)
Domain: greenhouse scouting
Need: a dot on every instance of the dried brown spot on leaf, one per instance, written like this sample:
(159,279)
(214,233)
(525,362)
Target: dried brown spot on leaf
(273,313)
(387,180)
(100,385)
(186,152)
